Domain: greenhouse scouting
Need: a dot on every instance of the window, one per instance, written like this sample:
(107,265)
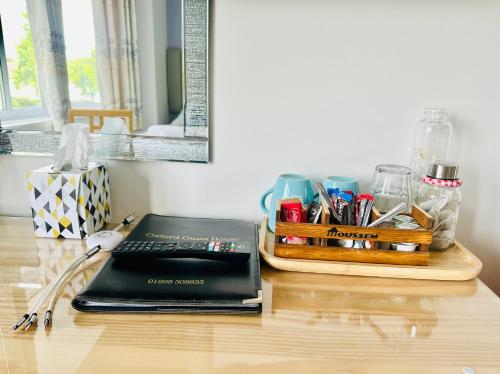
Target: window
(20,93)
(20,90)
(79,39)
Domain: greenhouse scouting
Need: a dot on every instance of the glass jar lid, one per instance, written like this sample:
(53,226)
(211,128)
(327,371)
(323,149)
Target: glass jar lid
(436,113)
(443,170)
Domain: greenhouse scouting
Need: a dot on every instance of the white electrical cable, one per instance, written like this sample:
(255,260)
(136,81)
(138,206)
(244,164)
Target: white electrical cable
(63,281)
(31,317)
(32,313)
(60,284)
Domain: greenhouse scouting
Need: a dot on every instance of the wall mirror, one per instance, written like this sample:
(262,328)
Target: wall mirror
(136,71)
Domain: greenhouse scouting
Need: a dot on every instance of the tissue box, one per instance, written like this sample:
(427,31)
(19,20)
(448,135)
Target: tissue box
(70,204)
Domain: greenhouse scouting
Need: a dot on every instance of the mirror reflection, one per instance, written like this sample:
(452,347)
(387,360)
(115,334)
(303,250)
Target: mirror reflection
(138,69)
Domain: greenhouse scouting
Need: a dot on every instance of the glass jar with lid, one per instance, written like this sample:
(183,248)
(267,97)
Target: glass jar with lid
(439,195)
(431,142)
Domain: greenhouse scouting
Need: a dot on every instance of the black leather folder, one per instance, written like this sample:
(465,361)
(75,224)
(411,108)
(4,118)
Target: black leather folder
(178,285)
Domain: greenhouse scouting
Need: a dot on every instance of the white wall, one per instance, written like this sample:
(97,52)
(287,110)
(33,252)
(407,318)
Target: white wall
(327,87)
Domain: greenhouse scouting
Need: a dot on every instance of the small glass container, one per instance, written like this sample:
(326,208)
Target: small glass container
(431,142)
(390,186)
(439,195)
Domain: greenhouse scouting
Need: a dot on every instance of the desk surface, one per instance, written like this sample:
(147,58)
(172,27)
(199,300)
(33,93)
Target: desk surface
(309,323)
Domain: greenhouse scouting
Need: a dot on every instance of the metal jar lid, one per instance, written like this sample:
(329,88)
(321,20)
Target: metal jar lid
(443,170)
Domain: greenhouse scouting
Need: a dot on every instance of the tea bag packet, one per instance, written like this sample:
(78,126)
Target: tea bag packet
(74,148)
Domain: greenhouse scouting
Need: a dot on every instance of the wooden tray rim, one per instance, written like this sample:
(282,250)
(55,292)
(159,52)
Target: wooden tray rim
(372,270)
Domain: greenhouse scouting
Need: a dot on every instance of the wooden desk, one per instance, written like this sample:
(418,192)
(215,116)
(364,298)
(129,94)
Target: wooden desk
(310,323)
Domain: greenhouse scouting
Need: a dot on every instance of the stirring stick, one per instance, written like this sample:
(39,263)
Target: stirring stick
(387,216)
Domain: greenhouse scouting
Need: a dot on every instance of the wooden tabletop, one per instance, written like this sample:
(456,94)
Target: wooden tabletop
(309,323)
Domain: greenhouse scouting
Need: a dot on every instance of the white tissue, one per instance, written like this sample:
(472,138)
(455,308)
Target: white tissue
(74,148)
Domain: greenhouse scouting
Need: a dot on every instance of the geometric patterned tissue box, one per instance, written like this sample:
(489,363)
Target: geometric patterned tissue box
(70,204)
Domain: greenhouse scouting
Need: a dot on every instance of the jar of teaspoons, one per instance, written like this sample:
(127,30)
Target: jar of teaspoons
(439,195)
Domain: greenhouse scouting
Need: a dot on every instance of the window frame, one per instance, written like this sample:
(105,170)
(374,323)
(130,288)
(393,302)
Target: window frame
(7,112)
(4,78)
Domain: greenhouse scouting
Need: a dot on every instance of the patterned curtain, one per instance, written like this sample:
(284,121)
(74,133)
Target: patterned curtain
(46,23)
(117,56)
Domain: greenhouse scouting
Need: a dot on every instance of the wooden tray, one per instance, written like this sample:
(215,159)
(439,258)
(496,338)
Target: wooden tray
(457,263)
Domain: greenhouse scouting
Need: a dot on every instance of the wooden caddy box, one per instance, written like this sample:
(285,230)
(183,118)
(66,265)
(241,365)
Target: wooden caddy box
(320,233)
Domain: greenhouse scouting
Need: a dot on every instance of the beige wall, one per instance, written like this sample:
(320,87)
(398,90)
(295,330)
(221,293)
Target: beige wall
(327,87)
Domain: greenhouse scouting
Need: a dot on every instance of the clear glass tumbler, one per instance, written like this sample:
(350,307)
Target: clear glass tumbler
(390,186)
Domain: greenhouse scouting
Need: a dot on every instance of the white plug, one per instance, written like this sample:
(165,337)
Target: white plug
(107,240)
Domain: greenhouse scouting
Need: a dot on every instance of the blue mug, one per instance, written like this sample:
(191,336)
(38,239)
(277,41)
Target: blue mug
(287,186)
(342,183)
